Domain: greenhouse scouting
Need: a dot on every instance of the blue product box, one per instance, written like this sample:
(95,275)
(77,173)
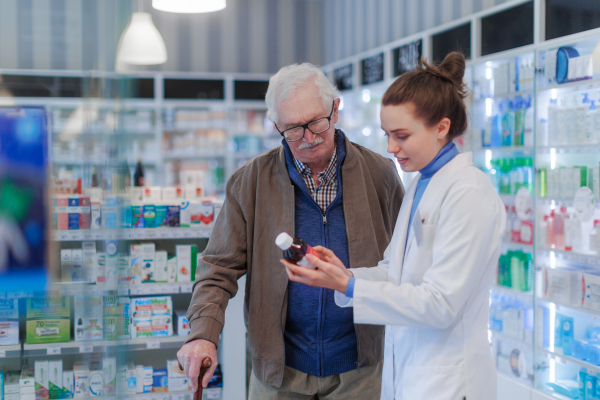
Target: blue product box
(160,219)
(567,335)
(558,331)
(74,212)
(578,349)
(159,380)
(173,216)
(109,214)
(125,214)
(150,216)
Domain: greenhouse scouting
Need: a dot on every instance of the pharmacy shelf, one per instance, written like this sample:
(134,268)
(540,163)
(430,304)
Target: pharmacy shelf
(216,153)
(569,359)
(144,289)
(511,96)
(572,257)
(50,349)
(10,351)
(192,126)
(97,162)
(131,234)
(585,84)
(528,248)
(508,150)
(505,337)
(560,305)
(511,292)
(107,134)
(570,149)
(183,395)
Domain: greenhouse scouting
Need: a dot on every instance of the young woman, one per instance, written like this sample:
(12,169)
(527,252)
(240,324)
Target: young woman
(432,288)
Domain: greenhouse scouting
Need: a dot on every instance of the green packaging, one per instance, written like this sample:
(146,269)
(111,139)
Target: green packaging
(543,180)
(160,220)
(111,313)
(149,215)
(48,320)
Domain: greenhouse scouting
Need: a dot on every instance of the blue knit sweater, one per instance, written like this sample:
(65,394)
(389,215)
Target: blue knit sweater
(320,339)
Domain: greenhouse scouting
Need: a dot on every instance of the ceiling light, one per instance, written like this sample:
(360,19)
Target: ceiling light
(189,6)
(141,43)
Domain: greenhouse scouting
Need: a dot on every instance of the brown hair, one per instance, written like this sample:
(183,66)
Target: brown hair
(437,92)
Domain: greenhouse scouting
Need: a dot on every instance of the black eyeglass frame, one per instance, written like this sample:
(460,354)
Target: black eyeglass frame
(306,126)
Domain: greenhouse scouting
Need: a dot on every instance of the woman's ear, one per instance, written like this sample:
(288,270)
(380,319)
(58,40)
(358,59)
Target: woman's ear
(443,128)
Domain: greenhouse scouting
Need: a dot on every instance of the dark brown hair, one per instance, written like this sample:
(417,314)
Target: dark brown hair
(437,92)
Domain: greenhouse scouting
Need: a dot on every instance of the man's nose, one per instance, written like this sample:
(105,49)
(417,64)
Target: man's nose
(309,137)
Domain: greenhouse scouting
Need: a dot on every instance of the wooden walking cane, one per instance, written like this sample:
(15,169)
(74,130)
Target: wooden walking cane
(206,364)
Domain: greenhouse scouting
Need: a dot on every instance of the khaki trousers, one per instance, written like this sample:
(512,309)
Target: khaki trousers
(363,384)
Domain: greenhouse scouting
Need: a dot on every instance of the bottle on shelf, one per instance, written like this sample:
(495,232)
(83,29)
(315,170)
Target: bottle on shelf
(528,124)
(518,131)
(508,125)
(543,231)
(516,226)
(595,238)
(580,120)
(496,130)
(550,231)
(559,126)
(559,228)
(570,123)
(138,176)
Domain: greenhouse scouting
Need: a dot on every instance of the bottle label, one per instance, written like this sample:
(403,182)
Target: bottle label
(304,262)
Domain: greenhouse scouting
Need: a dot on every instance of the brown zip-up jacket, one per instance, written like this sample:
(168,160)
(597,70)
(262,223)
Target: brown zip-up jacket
(259,205)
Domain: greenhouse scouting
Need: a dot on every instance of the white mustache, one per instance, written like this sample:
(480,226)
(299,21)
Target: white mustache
(304,145)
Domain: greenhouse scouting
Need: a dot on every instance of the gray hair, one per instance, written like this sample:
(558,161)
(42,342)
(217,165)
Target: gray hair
(291,79)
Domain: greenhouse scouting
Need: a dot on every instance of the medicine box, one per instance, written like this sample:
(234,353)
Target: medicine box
(135,258)
(11,382)
(183,326)
(177,380)
(109,367)
(9,322)
(148,379)
(65,265)
(97,383)
(112,313)
(41,380)
(139,379)
(161,266)
(172,269)
(77,269)
(68,385)
(81,379)
(123,276)
(131,379)
(151,317)
(185,216)
(160,382)
(90,268)
(122,380)
(148,269)
(124,327)
(55,378)
(186,262)
(48,320)
(88,318)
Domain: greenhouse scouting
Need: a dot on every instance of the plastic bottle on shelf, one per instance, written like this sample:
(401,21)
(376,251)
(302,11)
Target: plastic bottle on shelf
(504,184)
(559,228)
(516,175)
(597,123)
(595,238)
(560,137)
(508,230)
(550,231)
(551,122)
(570,133)
(508,125)
(543,232)
(580,123)
(569,233)
(528,172)
(519,129)
(528,123)
(496,130)
(590,126)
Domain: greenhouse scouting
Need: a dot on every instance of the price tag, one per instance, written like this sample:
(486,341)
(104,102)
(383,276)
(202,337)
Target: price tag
(86,348)
(64,236)
(98,236)
(53,350)
(164,234)
(123,292)
(2,353)
(186,288)
(214,393)
(153,344)
(151,235)
(87,236)
(187,234)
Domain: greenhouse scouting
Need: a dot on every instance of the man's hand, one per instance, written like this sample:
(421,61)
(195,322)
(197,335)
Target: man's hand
(326,275)
(192,354)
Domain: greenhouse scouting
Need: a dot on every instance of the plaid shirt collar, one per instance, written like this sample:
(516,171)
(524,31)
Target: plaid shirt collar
(325,176)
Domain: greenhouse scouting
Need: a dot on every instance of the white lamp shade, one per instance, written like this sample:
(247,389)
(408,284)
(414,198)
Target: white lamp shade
(189,6)
(141,43)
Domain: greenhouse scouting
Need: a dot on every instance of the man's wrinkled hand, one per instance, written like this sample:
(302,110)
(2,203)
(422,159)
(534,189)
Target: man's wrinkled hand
(192,354)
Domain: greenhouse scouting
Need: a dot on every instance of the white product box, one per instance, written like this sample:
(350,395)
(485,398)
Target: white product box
(184,263)
(125,304)
(101,268)
(148,269)
(65,265)
(135,259)
(557,285)
(41,379)
(77,269)
(12,396)
(123,276)
(109,367)
(139,379)
(9,322)
(90,265)
(193,193)
(161,266)
(151,317)
(88,318)
(183,326)
(148,379)
(131,379)
(173,195)
(55,379)
(122,380)
(185,214)
(68,384)
(27,391)
(96,215)
(110,248)
(27,379)
(207,213)
(152,194)
(172,269)
(177,381)
(590,285)
(11,382)
(96,383)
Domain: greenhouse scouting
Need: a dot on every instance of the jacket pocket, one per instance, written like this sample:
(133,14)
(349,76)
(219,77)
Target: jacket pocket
(433,383)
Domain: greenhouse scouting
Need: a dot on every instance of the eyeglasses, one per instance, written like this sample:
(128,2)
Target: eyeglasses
(317,126)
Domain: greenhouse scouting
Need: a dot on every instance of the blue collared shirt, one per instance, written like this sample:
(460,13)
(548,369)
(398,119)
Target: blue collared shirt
(447,153)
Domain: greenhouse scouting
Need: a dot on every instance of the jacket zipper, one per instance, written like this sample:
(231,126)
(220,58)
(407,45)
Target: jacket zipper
(324,218)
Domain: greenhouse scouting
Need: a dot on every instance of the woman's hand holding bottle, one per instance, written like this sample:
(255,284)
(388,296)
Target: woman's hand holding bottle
(330,272)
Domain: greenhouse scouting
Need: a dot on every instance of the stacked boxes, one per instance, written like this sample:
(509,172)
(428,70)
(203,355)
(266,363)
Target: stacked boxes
(88,318)
(27,385)
(11,386)
(152,317)
(55,379)
(48,320)
(183,326)
(9,322)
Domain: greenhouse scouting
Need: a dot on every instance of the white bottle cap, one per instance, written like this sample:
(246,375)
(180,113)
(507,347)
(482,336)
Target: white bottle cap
(284,241)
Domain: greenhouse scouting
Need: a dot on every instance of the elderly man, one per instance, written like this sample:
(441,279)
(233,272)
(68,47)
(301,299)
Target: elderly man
(320,187)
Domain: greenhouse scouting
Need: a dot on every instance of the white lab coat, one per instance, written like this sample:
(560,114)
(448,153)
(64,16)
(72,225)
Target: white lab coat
(434,298)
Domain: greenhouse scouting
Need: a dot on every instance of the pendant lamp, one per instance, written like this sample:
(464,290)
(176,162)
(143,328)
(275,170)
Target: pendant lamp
(141,43)
(189,6)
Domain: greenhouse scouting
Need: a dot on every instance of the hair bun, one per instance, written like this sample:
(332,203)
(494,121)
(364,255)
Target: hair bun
(452,70)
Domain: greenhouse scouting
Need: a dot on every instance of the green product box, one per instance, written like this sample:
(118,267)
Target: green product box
(160,219)
(111,313)
(48,320)
(149,216)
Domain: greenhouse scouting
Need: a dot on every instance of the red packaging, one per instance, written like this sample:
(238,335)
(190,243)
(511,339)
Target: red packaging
(85,218)
(62,212)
